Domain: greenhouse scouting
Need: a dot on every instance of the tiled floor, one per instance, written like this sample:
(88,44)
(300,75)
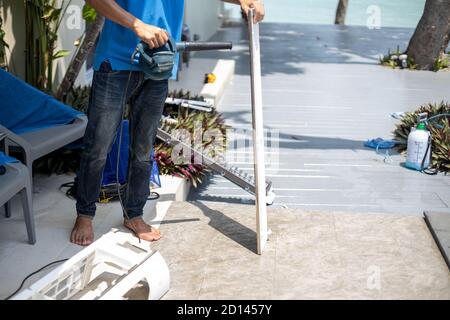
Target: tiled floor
(310,255)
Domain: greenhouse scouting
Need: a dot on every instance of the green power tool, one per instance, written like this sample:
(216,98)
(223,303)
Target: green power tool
(157,64)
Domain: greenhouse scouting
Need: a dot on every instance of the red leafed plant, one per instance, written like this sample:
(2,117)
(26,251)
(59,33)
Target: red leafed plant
(189,120)
(192,172)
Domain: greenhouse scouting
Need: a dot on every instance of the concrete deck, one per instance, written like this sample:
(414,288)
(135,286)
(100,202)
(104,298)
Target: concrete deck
(210,249)
(324,96)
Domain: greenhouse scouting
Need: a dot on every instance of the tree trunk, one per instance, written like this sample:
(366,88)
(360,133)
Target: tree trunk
(341,12)
(432,34)
(83,52)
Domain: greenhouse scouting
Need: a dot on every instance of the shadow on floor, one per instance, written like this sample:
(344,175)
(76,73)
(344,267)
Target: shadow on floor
(308,141)
(284,46)
(230,228)
(203,188)
(175,221)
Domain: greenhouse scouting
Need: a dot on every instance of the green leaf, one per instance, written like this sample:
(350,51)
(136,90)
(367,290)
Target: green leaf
(61,54)
(89,13)
(51,13)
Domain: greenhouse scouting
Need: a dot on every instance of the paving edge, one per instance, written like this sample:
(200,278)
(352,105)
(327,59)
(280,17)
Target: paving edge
(436,239)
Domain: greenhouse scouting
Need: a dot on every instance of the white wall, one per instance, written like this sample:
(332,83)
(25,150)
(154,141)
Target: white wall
(13,14)
(232,12)
(203,17)
(71,29)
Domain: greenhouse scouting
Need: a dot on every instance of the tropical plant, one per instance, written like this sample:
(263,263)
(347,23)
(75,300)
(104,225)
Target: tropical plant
(42,21)
(442,62)
(192,172)
(397,59)
(181,94)
(181,120)
(62,161)
(78,98)
(3,45)
(89,13)
(441,146)
(439,127)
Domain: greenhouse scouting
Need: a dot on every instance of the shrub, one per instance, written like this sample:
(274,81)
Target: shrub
(213,139)
(398,59)
(439,127)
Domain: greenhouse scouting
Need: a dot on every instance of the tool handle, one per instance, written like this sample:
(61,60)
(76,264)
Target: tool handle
(203,46)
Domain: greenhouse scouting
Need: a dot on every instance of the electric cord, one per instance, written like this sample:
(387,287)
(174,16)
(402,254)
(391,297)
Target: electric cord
(387,156)
(70,192)
(32,274)
(428,171)
(107,192)
(437,117)
(123,103)
(118,185)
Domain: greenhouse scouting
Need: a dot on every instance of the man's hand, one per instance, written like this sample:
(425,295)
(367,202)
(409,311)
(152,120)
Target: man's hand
(246,5)
(155,37)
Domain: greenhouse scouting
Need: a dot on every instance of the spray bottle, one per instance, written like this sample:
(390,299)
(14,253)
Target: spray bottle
(419,147)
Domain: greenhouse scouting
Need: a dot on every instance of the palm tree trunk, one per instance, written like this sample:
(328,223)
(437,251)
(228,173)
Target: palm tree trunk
(432,34)
(83,52)
(341,12)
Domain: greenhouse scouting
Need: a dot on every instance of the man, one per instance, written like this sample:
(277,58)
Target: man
(128,22)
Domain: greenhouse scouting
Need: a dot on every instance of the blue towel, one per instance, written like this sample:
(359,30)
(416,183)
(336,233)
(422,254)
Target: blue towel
(4,159)
(380,143)
(24,108)
(109,173)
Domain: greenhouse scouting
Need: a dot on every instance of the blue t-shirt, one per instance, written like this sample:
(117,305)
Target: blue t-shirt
(117,43)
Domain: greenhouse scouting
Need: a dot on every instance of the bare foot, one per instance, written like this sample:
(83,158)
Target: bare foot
(82,232)
(142,230)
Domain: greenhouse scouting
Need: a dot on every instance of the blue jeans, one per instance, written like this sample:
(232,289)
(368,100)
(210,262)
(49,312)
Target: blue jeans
(111,90)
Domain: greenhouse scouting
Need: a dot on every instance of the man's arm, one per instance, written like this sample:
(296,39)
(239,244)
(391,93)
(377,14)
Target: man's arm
(154,36)
(247,4)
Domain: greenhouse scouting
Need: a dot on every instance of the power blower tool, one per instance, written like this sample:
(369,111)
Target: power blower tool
(157,64)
